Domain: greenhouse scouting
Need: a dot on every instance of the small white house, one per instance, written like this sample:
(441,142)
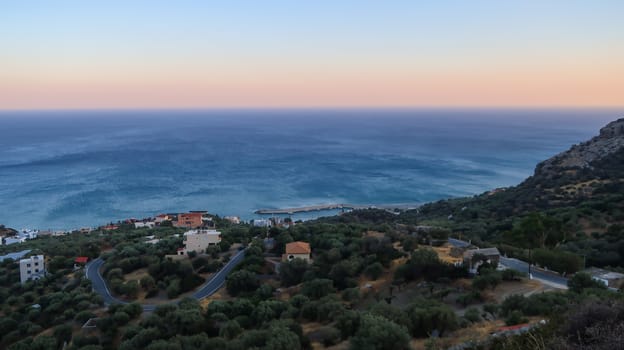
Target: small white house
(14,239)
(233,219)
(141,224)
(32,268)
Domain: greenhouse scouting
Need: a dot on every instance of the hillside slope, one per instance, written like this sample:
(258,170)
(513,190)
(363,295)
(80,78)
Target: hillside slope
(582,187)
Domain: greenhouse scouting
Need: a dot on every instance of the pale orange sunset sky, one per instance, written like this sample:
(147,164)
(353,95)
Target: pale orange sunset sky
(192,54)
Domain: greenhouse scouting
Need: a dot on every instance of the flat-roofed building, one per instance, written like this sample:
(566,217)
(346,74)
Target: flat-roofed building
(32,268)
(473,258)
(610,279)
(198,240)
(189,220)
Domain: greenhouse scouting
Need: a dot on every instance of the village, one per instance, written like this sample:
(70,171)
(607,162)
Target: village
(217,250)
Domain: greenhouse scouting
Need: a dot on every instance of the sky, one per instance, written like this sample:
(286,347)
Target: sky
(322,53)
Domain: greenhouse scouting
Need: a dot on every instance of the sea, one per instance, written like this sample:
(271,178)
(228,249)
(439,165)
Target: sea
(61,170)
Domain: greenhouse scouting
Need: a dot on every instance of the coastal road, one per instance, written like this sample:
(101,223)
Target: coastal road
(546,277)
(92,272)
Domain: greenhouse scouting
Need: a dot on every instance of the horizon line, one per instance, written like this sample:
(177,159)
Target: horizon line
(292,108)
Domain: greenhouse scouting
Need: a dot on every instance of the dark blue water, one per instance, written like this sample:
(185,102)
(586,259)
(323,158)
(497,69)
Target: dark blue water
(64,170)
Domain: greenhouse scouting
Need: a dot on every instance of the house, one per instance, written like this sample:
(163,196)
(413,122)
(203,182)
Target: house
(612,280)
(262,223)
(13,240)
(189,220)
(80,261)
(489,255)
(233,219)
(110,227)
(21,236)
(32,268)
(297,250)
(199,240)
(162,217)
(142,224)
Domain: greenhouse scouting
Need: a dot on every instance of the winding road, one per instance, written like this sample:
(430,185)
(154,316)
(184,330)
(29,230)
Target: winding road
(92,272)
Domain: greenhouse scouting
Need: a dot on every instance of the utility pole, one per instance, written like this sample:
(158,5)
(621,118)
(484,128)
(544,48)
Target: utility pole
(530,276)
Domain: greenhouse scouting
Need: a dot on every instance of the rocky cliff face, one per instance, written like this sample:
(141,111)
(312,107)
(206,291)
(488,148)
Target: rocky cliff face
(584,155)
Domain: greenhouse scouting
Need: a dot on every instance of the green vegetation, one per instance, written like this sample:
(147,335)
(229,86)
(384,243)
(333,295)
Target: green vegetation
(58,299)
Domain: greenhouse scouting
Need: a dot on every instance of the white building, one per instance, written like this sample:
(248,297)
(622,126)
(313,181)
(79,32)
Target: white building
(14,239)
(233,219)
(262,223)
(141,224)
(198,240)
(32,268)
(21,236)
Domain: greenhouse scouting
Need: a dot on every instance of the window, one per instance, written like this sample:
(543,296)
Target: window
(36,264)
(36,270)
(27,265)
(28,272)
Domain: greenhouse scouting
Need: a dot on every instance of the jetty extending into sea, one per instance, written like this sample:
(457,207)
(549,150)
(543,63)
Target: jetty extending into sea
(335,207)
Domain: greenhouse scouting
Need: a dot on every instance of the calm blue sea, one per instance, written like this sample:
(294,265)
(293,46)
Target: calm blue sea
(63,170)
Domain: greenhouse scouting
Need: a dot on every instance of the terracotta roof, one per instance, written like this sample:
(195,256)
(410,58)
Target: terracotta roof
(81,260)
(298,248)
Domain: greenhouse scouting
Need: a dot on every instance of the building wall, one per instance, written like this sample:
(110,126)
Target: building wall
(289,257)
(32,268)
(198,242)
(191,220)
(148,224)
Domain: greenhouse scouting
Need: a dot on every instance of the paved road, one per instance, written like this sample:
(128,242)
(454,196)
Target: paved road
(522,266)
(206,290)
(551,279)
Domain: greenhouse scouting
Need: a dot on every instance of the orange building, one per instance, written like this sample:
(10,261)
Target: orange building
(190,220)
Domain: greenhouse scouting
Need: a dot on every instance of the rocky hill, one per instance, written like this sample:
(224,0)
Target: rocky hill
(584,171)
(5,231)
(584,155)
(583,188)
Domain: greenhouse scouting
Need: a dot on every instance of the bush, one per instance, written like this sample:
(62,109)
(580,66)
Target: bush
(469,298)
(377,332)
(374,270)
(581,281)
(511,275)
(329,336)
(242,281)
(515,317)
(473,315)
(173,290)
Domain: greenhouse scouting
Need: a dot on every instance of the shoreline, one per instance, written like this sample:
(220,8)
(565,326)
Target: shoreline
(320,208)
(335,206)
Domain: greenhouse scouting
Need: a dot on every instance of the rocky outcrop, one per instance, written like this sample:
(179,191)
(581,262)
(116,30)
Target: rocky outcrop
(5,231)
(610,141)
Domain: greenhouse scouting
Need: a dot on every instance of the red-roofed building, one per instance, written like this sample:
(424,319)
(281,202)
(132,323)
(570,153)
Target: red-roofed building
(81,260)
(297,250)
(110,227)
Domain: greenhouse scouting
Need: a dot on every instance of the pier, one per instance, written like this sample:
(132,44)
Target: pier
(334,207)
